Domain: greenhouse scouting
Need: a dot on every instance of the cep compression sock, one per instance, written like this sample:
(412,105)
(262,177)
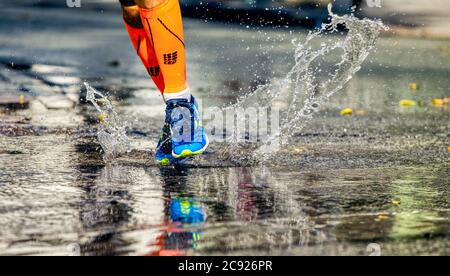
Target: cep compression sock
(145,51)
(164,28)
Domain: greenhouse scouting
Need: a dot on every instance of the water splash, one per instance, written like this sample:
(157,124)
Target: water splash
(112,132)
(308,85)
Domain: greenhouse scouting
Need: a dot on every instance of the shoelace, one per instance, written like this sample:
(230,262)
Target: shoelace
(173,121)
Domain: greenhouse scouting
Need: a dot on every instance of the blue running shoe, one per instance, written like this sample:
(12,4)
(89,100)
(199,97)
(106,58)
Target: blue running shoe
(163,153)
(188,135)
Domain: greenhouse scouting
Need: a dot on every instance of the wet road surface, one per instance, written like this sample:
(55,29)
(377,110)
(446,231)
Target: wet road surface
(380,176)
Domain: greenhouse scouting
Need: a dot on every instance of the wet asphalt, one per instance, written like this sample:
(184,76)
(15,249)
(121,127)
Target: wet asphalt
(379,176)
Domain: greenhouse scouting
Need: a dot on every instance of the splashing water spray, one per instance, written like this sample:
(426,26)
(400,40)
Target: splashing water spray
(307,86)
(112,133)
(304,90)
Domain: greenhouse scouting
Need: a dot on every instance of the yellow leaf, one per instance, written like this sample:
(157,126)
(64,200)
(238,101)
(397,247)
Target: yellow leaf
(438,102)
(347,112)
(21,99)
(101,118)
(407,103)
(396,202)
(101,102)
(383,217)
(413,86)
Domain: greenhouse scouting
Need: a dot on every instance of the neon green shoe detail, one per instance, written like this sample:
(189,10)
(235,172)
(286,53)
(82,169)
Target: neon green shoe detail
(164,162)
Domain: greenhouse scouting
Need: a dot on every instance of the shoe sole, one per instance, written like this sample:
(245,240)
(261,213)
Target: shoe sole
(164,162)
(188,153)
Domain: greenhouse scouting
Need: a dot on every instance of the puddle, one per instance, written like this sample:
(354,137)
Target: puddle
(58,192)
(341,184)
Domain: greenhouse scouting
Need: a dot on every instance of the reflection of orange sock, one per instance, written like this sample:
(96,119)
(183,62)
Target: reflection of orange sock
(164,28)
(145,52)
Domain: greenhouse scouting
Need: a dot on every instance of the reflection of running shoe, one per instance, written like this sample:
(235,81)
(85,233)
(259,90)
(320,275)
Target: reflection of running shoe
(186,210)
(188,135)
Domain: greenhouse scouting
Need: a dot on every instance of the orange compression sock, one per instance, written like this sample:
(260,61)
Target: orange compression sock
(148,57)
(164,28)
